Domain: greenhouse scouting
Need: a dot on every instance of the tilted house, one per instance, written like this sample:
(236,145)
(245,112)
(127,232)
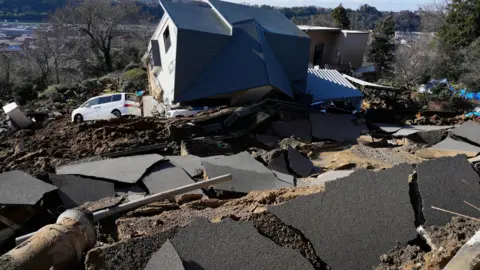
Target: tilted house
(221,51)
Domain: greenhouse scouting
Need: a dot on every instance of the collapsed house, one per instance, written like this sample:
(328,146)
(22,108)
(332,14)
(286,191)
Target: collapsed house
(222,53)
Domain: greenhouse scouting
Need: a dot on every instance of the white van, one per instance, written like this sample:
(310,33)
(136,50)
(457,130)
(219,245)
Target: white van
(107,106)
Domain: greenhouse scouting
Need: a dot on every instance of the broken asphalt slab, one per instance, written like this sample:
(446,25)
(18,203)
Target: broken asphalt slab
(167,179)
(469,131)
(357,218)
(17,187)
(267,140)
(247,173)
(232,245)
(299,164)
(165,258)
(447,183)
(123,169)
(301,129)
(75,190)
(388,128)
(336,127)
(190,163)
(449,147)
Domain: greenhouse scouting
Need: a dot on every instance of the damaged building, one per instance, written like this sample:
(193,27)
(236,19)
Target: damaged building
(224,53)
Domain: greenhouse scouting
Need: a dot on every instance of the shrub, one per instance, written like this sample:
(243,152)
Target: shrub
(134,79)
(24,92)
(54,92)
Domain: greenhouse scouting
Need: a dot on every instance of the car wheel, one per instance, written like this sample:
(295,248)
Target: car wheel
(117,113)
(78,118)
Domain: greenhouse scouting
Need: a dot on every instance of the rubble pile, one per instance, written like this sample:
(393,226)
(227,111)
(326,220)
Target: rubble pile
(308,186)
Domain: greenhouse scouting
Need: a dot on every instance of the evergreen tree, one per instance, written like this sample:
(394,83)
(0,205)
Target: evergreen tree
(462,24)
(339,15)
(382,46)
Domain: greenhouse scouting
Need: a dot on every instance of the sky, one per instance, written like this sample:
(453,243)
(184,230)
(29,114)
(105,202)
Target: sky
(382,5)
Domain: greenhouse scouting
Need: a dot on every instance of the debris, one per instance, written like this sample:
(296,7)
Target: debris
(267,140)
(18,118)
(248,174)
(469,131)
(299,164)
(123,169)
(17,187)
(190,163)
(278,164)
(301,129)
(204,147)
(365,209)
(449,148)
(467,256)
(233,248)
(165,258)
(445,183)
(335,127)
(75,190)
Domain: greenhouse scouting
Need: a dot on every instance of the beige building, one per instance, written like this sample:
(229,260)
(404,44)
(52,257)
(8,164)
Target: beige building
(334,48)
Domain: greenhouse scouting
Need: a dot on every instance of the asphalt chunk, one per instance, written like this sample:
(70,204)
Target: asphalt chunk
(247,173)
(357,218)
(469,131)
(167,179)
(124,169)
(190,163)
(17,187)
(299,164)
(75,190)
(232,245)
(301,129)
(447,183)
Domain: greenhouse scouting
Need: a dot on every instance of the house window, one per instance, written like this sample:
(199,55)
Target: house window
(166,39)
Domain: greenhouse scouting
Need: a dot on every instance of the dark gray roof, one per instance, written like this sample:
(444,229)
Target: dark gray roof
(246,62)
(194,17)
(271,19)
(17,187)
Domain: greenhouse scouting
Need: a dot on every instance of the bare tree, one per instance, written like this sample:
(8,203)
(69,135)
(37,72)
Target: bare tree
(433,15)
(98,20)
(413,62)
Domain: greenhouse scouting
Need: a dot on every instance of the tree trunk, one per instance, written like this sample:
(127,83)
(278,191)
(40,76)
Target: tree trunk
(57,75)
(108,60)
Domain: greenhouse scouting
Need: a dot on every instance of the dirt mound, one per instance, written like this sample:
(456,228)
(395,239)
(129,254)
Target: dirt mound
(60,141)
(447,239)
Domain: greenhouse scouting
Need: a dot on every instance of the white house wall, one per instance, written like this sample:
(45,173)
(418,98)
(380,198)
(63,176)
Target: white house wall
(166,76)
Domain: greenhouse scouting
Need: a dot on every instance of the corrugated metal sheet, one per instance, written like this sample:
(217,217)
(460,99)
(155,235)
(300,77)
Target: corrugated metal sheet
(330,85)
(370,85)
(194,17)
(271,19)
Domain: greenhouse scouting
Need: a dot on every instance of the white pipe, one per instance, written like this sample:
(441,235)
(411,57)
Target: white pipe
(146,200)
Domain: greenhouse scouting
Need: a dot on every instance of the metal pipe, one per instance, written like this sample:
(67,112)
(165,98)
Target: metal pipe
(146,200)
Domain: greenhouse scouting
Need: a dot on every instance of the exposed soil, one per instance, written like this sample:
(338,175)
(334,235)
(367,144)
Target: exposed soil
(447,239)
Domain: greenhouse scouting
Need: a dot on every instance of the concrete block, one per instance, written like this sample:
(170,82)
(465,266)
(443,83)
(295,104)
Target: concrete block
(299,164)
(123,169)
(233,245)
(17,187)
(357,219)
(248,174)
(447,183)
